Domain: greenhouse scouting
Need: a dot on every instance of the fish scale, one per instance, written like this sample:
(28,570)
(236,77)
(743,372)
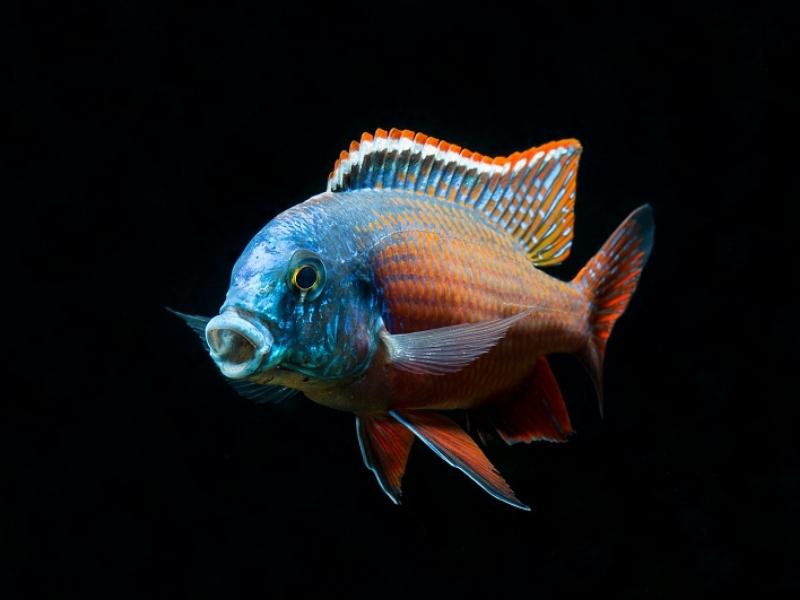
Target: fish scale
(440,265)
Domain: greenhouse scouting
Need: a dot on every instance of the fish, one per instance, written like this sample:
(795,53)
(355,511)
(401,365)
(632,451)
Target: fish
(411,291)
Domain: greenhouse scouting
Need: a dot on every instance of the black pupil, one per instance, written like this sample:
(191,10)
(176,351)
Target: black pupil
(306,278)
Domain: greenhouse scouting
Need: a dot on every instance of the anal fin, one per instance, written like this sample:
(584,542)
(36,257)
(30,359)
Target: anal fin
(537,412)
(451,443)
(384,445)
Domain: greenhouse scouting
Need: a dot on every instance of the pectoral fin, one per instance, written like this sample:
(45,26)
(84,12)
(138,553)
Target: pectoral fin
(446,349)
(260,393)
(384,444)
(451,443)
(195,323)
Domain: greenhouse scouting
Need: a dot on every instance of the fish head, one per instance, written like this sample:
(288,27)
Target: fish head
(298,309)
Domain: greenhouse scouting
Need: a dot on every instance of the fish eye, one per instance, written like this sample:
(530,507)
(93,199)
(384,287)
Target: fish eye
(305,277)
(306,274)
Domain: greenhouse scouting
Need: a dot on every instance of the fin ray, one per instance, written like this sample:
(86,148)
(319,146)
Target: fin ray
(609,280)
(452,444)
(446,349)
(261,393)
(384,445)
(529,194)
(196,323)
(538,413)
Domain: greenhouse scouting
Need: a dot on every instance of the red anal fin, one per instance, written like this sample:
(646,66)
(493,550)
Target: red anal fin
(384,444)
(537,413)
(456,448)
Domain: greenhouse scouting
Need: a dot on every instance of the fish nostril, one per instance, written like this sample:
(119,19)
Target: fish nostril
(231,347)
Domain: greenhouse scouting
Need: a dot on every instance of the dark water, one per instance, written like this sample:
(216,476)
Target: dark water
(151,143)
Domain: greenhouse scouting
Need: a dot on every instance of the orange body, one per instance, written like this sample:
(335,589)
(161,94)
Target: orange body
(436,264)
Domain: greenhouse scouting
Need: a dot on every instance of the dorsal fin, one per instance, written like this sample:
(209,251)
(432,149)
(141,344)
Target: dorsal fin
(529,194)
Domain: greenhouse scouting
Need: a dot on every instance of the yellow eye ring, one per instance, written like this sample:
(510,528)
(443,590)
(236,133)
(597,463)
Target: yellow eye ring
(305,277)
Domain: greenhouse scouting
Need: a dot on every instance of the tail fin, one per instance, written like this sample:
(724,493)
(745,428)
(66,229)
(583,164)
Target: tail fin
(609,280)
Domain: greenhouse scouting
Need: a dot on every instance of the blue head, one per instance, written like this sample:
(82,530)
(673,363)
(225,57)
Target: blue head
(299,301)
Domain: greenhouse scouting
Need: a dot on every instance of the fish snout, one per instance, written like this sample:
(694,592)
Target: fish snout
(236,344)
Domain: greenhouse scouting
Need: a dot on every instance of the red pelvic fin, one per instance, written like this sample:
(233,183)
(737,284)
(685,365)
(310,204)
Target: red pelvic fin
(609,280)
(442,435)
(384,444)
(537,413)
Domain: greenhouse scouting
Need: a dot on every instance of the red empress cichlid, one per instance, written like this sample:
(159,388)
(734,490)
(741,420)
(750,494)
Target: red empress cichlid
(412,287)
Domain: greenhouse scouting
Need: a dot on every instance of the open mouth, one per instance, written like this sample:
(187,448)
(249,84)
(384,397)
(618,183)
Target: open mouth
(236,344)
(231,347)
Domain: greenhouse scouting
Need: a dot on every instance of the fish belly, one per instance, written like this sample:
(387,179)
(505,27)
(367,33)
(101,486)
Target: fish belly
(437,264)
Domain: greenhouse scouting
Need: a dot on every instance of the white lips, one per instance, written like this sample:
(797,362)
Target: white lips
(254,333)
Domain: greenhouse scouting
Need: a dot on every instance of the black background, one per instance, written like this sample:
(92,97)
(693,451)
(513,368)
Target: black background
(152,141)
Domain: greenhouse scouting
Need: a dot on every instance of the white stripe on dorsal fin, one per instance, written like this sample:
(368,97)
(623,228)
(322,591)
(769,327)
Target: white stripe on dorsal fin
(529,194)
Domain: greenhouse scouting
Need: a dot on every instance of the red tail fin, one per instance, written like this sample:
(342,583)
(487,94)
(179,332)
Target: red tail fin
(609,280)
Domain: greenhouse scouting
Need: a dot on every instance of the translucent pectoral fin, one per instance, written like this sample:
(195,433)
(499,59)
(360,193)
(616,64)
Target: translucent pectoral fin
(261,393)
(446,349)
(195,323)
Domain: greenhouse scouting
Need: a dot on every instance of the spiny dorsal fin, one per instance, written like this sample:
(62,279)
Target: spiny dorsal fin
(530,194)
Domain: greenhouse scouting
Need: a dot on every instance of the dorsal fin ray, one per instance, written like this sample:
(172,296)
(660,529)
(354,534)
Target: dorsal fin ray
(529,194)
